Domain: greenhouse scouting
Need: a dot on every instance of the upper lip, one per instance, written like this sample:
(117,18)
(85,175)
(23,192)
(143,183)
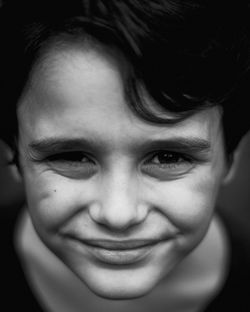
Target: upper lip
(117,245)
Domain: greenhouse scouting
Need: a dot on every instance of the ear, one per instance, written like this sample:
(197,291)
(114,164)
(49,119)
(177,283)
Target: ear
(16,173)
(232,166)
(7,155)
(234,162)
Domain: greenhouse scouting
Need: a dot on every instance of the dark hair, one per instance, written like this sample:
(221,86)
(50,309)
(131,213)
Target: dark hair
(187,54)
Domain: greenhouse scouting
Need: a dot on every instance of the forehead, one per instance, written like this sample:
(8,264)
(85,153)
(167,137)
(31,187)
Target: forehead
(75,92)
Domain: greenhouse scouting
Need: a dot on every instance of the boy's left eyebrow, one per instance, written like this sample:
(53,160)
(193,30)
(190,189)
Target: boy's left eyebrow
(182,144)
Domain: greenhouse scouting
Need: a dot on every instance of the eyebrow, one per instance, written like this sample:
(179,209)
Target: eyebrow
(62,144)
(178,144)
(182,144)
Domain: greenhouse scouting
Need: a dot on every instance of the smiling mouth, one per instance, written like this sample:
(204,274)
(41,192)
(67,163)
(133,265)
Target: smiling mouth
(114,252)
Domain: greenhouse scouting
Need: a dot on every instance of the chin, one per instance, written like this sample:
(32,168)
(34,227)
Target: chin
(119,292)
(118,284)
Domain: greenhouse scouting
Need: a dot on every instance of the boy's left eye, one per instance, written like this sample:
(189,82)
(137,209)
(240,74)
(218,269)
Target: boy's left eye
(166,164)
(164,158)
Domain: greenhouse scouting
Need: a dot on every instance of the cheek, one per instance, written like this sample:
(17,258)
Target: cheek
(189,202)
(52,200)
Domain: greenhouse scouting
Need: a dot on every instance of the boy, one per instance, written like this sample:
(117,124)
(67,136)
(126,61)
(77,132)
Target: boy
(121,137)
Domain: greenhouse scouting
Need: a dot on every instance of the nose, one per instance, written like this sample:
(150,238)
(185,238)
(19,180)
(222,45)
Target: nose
(118,206)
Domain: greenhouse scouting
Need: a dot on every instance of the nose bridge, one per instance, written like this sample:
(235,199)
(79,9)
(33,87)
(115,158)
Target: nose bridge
(118,205)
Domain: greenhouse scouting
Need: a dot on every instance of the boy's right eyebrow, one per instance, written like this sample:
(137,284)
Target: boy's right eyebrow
(60,144)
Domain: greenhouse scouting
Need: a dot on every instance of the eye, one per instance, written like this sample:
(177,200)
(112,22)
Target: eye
(74,157)
(167,164)
(167,158)
(75,164)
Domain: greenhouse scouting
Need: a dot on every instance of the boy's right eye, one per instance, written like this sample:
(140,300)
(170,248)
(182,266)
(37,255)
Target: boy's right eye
(72,157)
(74,164)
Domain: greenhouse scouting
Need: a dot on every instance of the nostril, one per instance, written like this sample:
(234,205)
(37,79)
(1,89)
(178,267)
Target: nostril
(95,212)
(142,212)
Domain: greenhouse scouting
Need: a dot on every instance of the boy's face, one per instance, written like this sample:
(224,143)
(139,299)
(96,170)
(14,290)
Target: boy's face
(119,200)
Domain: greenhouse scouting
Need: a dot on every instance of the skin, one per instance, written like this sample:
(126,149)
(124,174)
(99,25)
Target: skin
(130,180)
